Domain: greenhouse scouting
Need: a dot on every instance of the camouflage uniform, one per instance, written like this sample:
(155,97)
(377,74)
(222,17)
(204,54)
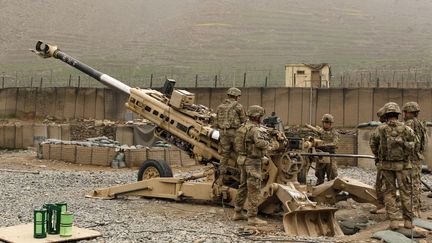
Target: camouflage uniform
(394,143)
(379,179)
(229,116)
(417,157)
(250,161)
(327,166)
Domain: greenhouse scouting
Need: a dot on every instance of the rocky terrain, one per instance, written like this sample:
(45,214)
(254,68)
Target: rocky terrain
(28,183)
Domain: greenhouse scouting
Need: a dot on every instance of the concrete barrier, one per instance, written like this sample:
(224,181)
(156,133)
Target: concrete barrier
(100,156)
(83,155)
(135,157)
(55,151)
(2,137)
(9,136)
(68,153)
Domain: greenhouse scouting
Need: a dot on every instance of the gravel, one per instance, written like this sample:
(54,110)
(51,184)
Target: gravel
(132,219)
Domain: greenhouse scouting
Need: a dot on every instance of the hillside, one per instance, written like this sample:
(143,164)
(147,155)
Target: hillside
(133,38)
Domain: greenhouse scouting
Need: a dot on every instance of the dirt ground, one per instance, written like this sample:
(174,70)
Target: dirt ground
(20,162)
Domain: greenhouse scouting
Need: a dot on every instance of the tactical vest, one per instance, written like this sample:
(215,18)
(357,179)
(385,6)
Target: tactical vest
(227,116)
(393,148)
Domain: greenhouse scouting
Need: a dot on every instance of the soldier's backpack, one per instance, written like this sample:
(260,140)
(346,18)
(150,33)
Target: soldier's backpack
(226,116)
(395,143)
(240,139)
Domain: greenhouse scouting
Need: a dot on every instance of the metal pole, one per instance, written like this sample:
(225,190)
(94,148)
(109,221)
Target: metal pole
(215,81)
(310,104)
(3,80)
(79,81)
(196,80)
(70,80)
(265,85)
(151,80)
(244,79)
(31,82)
(40,84)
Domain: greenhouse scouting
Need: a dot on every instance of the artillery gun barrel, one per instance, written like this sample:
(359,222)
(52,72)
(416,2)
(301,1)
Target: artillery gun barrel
(45,50)
(360,156)
(187,128)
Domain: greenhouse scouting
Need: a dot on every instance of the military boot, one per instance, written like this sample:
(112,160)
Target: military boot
(256,221)
(394,225)
(239,215)
(380,209)
(408,224)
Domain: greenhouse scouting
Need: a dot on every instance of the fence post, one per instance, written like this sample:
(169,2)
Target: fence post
(79,81)
(265,84)
(244,79)
(70,80)
(215,81)
(151,80)
(16,79)
(40,84)
(196,80)
(31,82)
(3,80)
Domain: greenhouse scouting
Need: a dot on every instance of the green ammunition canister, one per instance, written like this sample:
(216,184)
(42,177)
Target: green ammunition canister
(66,221)
(39,223)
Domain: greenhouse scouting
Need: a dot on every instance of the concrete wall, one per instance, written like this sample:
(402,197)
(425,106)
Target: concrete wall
(295,106)
(103,156)
(21,136)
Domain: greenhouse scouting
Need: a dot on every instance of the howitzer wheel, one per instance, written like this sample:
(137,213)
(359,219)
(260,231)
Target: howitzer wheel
(153,169)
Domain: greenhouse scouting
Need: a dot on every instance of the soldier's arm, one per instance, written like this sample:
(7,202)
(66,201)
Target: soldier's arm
(216,120)
(336,137)
(411,139)
(410,124)
(259,139)
(374,142)
(242,113)
(317,130)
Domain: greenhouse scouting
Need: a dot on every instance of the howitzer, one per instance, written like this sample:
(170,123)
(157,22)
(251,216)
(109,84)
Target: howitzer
(188,126)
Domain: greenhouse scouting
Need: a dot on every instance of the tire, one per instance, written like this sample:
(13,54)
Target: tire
(152,167)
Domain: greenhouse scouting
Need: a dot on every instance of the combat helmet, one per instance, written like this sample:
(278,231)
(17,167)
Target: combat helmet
(234,92)
(327,118)
(411,107)
(380,112)
(255,111)
(391,107)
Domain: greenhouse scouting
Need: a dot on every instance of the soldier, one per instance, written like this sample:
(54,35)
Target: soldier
(394,144)
(229,116)
(380,209)
(411,111)
(330,137)
(252,146)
